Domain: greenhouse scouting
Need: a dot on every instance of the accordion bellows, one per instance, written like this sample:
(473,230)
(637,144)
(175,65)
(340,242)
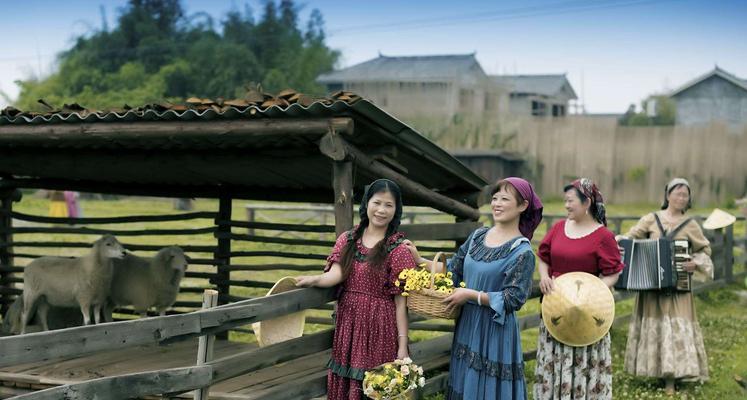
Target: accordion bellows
(654,264)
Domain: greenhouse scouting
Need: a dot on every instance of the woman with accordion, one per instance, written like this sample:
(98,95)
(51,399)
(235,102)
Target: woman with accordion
(664,338)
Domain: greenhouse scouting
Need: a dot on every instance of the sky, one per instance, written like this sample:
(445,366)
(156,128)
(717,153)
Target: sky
(614,52)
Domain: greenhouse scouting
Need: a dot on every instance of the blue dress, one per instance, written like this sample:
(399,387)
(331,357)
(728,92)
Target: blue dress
(486,356)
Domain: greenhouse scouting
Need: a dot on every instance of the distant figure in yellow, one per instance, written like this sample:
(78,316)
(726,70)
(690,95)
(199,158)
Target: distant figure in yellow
(57,204)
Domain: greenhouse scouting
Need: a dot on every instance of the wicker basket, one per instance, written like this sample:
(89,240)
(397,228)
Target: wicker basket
(429,302)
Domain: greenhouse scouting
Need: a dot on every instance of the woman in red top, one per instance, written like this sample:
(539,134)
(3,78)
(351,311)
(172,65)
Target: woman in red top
(371,319)
(580,243)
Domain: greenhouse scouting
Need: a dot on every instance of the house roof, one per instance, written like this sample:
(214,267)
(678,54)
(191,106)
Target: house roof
(268,149)
(437,68)
(545,85)
(741,83)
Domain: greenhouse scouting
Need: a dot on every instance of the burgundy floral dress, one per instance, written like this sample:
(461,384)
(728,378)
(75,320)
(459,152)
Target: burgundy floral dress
(366,324)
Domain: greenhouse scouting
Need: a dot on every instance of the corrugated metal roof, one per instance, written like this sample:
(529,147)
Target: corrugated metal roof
(277,160)
(545,85)
(441,68)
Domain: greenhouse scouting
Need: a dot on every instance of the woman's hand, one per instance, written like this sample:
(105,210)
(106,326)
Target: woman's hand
(689,266)
(402,352)
(307,281)
(413,250)
(618,238)
(547,284)
(458,297)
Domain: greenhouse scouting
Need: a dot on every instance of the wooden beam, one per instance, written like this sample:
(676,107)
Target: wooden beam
(333,145)
(6,239)
(82,340)
(174,380)
(172,130)
(342,183)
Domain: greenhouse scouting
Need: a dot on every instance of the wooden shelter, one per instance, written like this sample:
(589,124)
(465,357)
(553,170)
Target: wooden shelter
(288,148)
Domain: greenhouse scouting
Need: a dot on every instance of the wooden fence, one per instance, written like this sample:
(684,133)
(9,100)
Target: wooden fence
(433,354)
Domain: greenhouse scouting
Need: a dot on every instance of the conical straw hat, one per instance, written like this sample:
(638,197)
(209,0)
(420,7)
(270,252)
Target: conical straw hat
(283,328)
(719,219)
(580,309)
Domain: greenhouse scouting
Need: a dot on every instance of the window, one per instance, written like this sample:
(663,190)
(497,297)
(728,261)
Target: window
(465,98)
(558,110)
(539,108)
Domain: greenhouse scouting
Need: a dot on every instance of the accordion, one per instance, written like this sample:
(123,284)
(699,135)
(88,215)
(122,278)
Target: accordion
(654,264)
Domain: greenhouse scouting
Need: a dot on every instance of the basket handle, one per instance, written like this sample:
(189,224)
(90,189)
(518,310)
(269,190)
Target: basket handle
(440,256)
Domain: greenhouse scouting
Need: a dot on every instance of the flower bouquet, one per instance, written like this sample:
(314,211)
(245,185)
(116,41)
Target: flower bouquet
(393,381)
(425,290)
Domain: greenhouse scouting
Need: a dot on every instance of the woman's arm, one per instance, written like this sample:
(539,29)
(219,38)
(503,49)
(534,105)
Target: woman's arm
(328,279)
(546,283)
(610,280)
(400,304)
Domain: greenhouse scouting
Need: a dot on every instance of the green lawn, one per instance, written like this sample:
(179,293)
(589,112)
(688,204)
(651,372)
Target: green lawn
(722,315)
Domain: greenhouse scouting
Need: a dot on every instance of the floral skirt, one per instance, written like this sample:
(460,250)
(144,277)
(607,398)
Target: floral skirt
(567,372)
(664,338)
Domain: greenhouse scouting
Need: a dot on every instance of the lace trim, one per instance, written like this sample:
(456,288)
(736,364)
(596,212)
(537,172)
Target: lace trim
(346,371)
(504,372)
(480,252)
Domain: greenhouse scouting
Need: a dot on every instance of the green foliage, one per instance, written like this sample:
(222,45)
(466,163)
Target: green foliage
(665,113)
(637,174)
(157,52)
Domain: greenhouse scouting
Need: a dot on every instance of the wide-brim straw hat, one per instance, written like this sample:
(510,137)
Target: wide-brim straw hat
(580,309)
(719,219)
(283,328)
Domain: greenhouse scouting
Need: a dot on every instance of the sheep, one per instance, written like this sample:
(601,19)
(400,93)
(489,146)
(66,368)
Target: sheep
(148,282)
(70,282)
(58,318)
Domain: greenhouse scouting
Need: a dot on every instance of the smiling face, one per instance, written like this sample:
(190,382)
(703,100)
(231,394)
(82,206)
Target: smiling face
(575,208)
(506,204)
(380,209)
(679,198)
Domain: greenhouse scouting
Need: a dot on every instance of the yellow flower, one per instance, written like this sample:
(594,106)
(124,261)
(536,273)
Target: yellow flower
(396,283)
(405,294)
(449,274)
(462,284)
(403,274)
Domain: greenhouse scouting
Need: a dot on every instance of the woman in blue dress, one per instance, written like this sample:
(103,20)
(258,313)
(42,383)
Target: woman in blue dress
(496,265)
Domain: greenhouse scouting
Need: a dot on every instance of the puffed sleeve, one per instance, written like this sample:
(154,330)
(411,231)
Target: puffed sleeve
(334,256)
(609,260)
(456,263)
(399,259)
(546,244)
(642,228)
(518,286)
(701,248)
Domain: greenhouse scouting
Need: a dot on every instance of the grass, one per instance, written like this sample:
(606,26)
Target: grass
(722,315)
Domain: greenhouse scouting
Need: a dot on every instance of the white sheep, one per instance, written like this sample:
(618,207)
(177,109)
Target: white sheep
(70,282)
(148,282)
(57,318)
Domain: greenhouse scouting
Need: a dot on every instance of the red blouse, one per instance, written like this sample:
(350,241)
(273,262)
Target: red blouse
(594,253)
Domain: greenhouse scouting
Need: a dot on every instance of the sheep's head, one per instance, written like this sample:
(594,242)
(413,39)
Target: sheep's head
(110,246)
(174,259)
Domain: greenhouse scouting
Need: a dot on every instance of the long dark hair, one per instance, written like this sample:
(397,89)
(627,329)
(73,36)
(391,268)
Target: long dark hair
(378,254)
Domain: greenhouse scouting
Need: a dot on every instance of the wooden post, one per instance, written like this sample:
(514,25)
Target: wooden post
(223,253)
(729,254)
(717,256)
(342,182)
(6,260)
(205,346)
(250,216)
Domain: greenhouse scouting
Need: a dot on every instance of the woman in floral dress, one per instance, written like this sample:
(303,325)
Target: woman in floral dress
(580,243)
(371,320)
(664,338)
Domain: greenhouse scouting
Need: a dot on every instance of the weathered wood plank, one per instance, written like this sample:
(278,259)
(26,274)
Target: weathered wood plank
(303,256)
(342,183)
(89,339)
(271,226)
(279,240)
(231,366)
(91,231)
(441,231)
(129,386)
(111,220)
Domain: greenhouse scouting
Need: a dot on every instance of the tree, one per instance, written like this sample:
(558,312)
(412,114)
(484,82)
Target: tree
(156,52)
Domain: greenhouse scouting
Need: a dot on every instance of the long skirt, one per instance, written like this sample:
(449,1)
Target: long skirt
(566,372)
(664,339)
